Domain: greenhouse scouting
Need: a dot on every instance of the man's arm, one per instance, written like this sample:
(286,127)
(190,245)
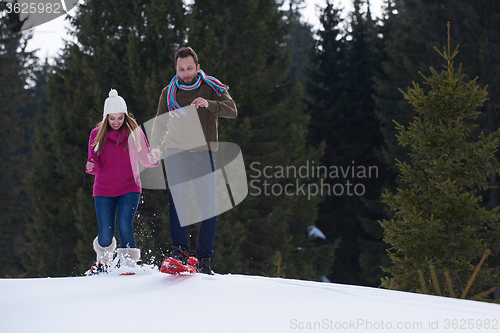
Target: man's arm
(223,106)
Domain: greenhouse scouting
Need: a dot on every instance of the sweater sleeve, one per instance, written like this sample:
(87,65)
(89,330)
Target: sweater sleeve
(160,124)
(145,149)
(223,106)
(92,155)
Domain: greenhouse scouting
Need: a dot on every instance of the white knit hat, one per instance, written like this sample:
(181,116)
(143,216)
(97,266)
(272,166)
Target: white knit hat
(114,104)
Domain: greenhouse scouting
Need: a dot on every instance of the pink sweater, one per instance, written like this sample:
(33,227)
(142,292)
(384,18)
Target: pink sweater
(116,170)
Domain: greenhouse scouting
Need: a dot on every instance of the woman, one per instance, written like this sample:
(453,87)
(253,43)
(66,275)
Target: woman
(114,146)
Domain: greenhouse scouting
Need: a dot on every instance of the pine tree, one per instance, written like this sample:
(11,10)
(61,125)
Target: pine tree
(323,79)
(340,89)
(411,28)
(439,220)
(322,85)
(301,37)
(246,45)
(16,68)
(127,46)
(41,168)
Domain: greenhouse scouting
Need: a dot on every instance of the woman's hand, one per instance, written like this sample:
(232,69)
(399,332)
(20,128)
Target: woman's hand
(90,165)
(154,156)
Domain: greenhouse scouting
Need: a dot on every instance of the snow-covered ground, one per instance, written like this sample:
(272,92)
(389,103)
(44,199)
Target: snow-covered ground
(156,302)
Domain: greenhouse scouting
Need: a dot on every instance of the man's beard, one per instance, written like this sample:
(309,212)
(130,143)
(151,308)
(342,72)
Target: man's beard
(192,80)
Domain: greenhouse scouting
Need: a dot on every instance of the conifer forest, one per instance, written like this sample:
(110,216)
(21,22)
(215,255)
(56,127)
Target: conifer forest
(370,144)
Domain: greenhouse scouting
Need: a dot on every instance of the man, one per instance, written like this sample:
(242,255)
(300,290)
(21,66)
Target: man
(191,86)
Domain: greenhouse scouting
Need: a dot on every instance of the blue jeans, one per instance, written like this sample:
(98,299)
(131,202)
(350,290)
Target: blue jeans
(106,210)
(183,166)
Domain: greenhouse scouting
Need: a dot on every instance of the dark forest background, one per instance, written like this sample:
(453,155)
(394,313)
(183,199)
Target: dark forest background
(325,97)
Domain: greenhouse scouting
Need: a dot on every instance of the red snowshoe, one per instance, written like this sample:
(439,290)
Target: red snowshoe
(174,267)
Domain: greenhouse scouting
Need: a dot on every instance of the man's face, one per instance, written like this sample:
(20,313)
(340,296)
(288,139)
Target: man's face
(186,69)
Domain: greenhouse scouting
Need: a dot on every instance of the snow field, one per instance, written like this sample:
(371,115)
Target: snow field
(155,302)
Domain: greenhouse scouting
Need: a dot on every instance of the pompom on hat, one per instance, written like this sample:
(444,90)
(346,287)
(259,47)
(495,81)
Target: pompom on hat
(114,104)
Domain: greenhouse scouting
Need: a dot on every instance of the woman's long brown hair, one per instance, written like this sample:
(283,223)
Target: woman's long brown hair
(130,125)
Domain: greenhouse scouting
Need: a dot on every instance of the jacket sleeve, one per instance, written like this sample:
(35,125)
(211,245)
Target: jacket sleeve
(160,124)
(92,155)
(223,106)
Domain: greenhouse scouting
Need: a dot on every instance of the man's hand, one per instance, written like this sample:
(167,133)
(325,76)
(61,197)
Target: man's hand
(200,102)
(154,156)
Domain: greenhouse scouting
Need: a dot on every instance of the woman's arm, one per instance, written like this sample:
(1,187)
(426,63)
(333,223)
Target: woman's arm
(145,149)
(93,160)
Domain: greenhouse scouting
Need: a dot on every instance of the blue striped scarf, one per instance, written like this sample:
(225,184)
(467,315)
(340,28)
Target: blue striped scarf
(174,108)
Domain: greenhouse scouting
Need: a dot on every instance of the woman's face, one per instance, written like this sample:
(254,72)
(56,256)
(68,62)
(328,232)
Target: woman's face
(115,120)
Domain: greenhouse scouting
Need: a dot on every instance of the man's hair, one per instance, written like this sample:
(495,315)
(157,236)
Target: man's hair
(185,52)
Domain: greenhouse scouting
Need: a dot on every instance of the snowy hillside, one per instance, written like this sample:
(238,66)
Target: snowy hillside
(157,302)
